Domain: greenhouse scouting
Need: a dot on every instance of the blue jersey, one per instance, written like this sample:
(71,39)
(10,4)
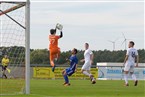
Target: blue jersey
(73,62)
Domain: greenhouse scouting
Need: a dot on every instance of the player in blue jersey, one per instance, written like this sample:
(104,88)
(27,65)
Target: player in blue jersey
(73,66)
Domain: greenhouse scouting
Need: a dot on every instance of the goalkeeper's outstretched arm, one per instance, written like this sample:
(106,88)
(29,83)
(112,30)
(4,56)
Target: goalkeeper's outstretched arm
(61,34)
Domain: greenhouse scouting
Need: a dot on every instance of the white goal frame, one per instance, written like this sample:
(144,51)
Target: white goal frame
(27,55)
(27,37)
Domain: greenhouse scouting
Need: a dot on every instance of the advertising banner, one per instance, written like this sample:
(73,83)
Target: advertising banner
(117,73)
(46,72)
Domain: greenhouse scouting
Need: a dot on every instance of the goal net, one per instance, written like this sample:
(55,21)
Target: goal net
(13,44)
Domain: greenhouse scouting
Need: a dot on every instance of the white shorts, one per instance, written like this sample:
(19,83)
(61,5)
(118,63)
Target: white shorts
(86,66)
(129,67)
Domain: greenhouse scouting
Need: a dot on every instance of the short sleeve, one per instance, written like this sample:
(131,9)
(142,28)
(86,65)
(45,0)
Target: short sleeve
(90,52)
(136,53)
(127,53)
(57,37)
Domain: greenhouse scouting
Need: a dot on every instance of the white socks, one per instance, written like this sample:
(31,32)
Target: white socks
(86,73)
(126,78)
(133,77)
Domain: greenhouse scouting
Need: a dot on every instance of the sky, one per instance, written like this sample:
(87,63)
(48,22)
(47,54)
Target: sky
(92,22)
(96,23)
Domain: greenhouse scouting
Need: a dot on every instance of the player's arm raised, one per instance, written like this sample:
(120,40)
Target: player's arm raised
(59,27)
(61,34)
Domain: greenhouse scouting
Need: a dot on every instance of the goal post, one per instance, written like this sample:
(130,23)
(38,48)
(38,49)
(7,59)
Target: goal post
(15,43)
(27,35)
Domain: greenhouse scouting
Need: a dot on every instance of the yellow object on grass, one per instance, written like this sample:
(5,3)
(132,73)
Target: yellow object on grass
(8,70)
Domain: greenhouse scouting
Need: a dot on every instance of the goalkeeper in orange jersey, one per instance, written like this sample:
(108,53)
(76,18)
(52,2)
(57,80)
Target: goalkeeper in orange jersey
(53,46)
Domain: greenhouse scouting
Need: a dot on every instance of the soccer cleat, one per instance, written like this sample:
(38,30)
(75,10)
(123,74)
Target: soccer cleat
(53,68)
(67,84)
(91,77)
(64,83)
(126,84)
(93,81)
(135,83)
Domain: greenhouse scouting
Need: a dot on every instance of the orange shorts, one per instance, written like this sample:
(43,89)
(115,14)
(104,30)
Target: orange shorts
(54,53)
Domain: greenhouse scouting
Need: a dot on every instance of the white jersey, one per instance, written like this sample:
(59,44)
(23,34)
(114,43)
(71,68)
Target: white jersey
(132,53)
(87,55)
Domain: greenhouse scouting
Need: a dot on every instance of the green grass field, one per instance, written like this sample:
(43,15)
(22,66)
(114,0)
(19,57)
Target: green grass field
(83,88)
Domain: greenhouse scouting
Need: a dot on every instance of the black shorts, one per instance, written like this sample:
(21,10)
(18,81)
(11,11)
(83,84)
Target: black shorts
(4,68)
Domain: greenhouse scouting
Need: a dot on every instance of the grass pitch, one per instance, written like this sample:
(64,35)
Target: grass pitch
(83,88)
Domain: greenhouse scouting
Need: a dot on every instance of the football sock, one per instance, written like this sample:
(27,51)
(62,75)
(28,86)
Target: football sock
(86,73)
(53,68)
(93,79)
(66,78)
(126,78)
(4,75)
(133,77)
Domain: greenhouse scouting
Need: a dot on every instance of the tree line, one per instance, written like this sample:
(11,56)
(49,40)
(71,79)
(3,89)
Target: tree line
(39,57)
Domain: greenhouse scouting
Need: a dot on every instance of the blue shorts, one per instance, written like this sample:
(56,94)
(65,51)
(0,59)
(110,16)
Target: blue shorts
(69,71)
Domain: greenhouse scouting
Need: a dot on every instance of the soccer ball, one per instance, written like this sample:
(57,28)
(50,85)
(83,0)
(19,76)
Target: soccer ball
(59,26)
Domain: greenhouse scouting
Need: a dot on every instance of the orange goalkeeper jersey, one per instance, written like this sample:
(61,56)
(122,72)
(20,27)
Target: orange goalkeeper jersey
(53,39)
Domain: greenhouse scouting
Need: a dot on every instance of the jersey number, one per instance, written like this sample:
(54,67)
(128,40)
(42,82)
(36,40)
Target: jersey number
(133,54)
(52,41)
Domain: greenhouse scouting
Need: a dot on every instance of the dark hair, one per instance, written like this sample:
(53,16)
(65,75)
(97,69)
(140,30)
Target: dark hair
(52,31)
(132,43)
(87,44)
(76,51)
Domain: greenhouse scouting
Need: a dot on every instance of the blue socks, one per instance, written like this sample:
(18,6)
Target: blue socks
(66,78)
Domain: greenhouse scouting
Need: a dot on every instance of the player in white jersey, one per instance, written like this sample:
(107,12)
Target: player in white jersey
(129,62)
(88,59)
